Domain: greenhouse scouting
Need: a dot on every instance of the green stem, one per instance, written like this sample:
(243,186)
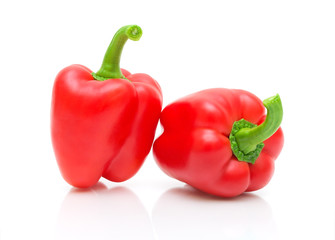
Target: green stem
(247,139)
(110,68)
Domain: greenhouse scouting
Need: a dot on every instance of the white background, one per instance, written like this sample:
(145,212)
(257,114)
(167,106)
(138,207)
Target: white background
(265,47)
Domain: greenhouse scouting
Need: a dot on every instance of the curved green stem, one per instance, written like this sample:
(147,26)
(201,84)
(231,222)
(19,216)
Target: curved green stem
(247,139)
(110,68)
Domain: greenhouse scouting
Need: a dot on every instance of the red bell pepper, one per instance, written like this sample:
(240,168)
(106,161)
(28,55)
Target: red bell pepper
(220,141)
(103,123)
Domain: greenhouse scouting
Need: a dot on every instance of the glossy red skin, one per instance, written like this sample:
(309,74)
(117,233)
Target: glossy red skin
(102,128)
(195,147)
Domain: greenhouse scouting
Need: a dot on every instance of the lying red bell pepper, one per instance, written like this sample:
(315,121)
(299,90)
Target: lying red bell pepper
(103,123)
(220,141)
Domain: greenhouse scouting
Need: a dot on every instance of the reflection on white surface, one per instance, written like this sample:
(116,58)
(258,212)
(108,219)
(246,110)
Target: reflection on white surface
(102,213)
(185,213)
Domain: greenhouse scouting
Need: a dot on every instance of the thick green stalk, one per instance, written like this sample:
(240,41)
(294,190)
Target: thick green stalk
(247,139)
(110,68)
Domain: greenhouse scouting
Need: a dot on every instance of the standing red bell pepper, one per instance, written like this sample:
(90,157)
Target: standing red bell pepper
(220,141)
(103,123)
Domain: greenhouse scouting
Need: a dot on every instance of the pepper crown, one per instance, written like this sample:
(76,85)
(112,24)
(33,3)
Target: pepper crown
(110,68)
(246,139)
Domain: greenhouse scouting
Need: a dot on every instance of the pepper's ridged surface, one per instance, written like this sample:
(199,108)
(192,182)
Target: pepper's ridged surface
(103,124)
(195,146)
